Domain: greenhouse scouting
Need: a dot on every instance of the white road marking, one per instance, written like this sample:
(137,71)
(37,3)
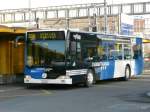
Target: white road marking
(21,95)
(130,105)
(112,86)
(1,91)
(43,92)
(8,90)
(46,92)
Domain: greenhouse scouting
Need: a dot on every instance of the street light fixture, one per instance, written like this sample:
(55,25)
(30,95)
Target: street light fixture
(29,6)
(105,16)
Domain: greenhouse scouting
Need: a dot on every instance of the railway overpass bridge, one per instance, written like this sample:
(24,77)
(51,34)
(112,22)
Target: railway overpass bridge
(77,16)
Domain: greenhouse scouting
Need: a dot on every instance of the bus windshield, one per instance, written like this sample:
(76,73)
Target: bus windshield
(46,50)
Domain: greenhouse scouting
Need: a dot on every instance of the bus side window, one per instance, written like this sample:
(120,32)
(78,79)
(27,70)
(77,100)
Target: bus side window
(104,57)
(101,53)
(90,53)
(127,57)
(120,57)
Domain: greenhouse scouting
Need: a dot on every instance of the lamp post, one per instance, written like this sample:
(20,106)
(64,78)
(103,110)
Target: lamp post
(94,27)
(105,16)
(29,6)
(67,19)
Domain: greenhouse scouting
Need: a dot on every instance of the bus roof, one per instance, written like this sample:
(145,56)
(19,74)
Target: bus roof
(78,31)
(132,36)
(39,30)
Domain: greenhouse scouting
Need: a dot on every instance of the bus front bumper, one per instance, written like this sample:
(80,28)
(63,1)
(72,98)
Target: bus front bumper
(47,81)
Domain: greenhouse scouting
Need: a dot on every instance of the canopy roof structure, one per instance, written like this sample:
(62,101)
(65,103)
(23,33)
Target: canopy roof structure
(13,30)
(146,40)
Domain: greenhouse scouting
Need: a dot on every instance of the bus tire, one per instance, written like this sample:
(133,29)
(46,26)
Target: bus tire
(89,79)
(127,73)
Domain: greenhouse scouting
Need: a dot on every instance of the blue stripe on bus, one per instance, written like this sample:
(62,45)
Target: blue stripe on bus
(34,73)
(139,64)
(106,71)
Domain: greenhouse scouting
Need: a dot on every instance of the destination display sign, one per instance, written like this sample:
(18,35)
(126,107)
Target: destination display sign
(46,35)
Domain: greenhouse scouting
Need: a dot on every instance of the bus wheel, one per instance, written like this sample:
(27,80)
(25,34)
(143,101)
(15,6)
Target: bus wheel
(127,73)
(89,80)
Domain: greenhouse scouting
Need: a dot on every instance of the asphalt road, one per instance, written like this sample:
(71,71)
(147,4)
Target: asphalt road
(105,96)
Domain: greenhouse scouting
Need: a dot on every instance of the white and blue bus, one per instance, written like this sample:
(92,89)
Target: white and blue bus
(72,57)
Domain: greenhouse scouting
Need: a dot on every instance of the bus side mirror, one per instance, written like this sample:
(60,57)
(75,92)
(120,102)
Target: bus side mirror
(16,40)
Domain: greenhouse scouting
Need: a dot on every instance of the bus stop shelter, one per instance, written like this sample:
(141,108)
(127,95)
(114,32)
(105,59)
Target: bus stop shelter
(11,57)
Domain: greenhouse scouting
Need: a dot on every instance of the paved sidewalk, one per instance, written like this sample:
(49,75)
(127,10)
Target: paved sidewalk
(10,87)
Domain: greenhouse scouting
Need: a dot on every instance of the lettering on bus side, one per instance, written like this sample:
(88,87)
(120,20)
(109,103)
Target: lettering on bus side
(77,37)
(102,65)
(96,64)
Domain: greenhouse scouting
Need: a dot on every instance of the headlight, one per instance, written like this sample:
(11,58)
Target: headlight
(63,77)
(28,77)
(44,75)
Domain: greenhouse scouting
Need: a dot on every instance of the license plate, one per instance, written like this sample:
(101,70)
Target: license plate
(44,81)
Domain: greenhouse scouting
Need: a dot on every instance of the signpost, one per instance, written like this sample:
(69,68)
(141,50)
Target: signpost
(126,24)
